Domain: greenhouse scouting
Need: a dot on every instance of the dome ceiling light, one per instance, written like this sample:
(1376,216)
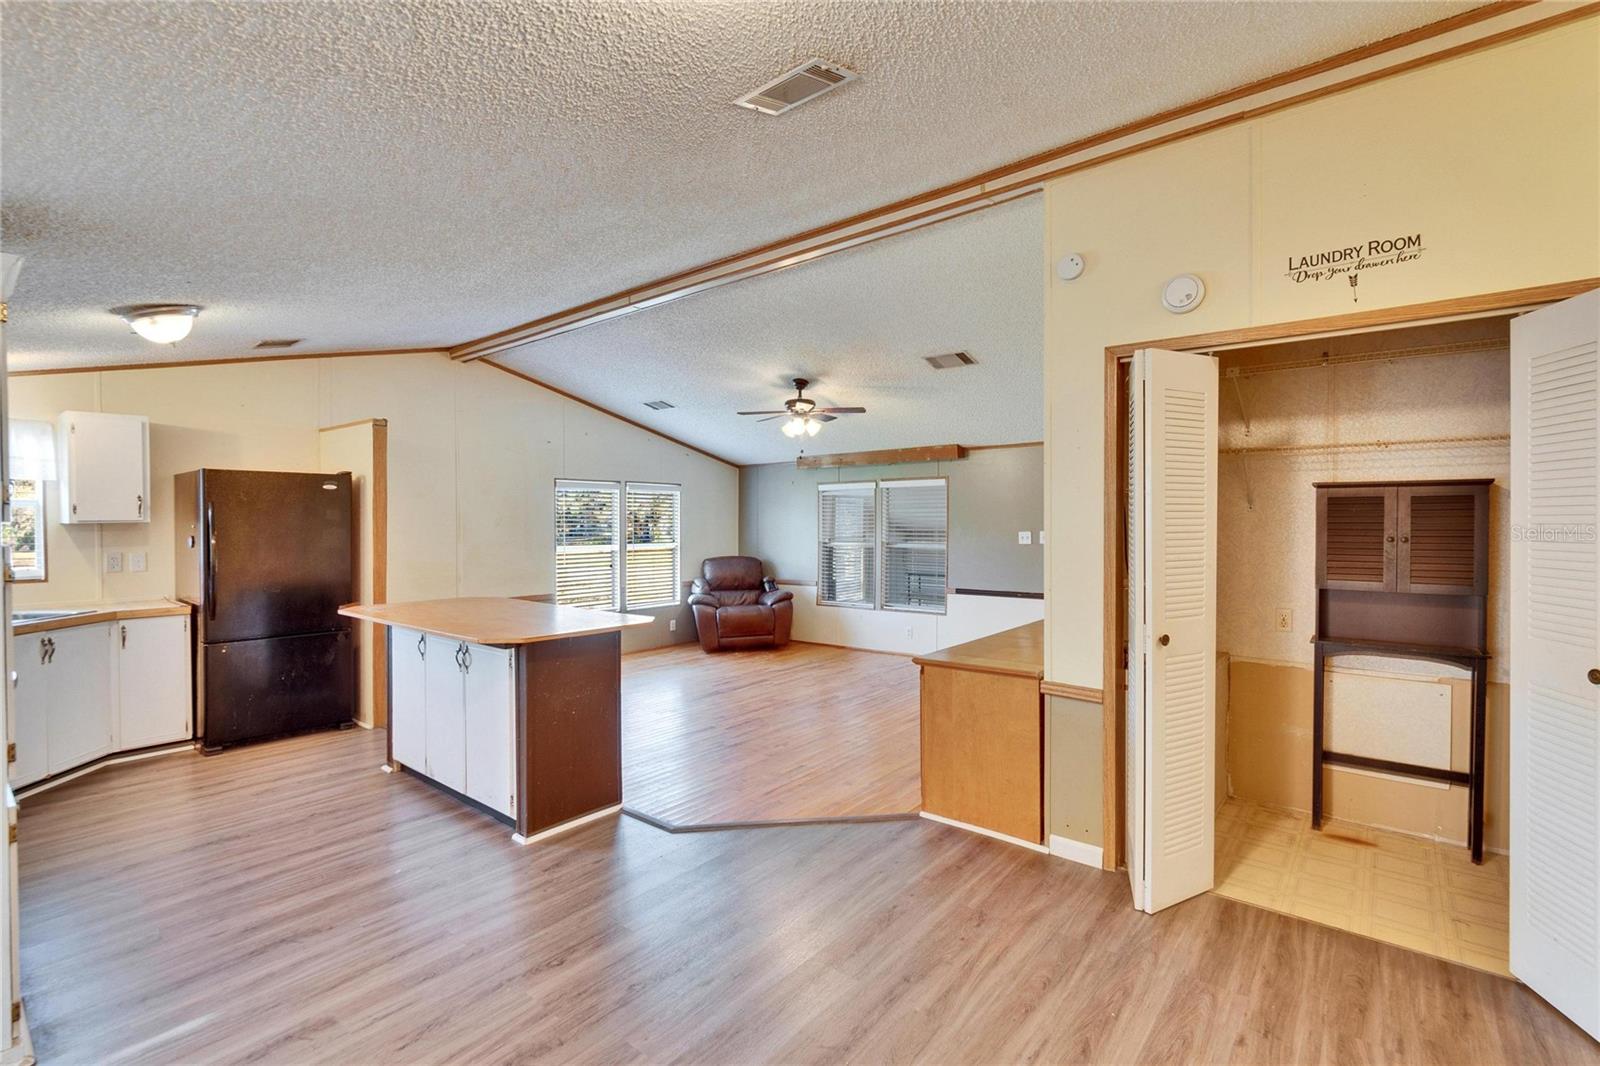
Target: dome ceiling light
(159,323)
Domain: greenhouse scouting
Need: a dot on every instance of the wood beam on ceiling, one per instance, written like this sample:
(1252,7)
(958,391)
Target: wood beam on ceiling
(1468,31)
(930,453)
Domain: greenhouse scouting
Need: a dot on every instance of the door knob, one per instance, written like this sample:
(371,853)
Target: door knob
(1164,640)
(1594,677)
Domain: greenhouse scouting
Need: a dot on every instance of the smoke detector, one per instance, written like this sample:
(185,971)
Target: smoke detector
(791,89)
(950,361)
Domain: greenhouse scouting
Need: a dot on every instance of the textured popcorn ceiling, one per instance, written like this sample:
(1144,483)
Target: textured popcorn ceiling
(401,175)
(858,324)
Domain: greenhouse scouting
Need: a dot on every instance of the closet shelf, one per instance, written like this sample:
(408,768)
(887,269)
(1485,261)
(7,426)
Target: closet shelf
(1371,445)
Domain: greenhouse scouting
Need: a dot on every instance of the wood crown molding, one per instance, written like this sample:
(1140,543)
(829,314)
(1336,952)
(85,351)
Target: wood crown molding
(1072,692)
(930,453)
(1469,31)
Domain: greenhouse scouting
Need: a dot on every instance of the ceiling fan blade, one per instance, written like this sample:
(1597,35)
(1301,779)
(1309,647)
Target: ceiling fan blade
(762,412)
(824,418)
(769,418)
(840,411)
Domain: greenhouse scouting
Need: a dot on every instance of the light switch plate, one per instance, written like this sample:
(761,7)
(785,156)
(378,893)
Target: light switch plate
(1024,536)
(136,562)
(1041,536)
(113,562)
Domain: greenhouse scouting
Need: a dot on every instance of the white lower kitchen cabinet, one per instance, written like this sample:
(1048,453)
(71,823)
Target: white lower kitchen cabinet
(86,691)
(153,687)
(408,724)
(445,713)
(452,713)
(79,696)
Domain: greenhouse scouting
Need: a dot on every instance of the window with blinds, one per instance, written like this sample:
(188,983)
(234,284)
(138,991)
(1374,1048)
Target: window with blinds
(588,527)
(915,520)
(651,563)
(847,544)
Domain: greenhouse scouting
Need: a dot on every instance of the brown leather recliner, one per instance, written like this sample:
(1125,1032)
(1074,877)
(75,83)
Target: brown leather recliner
(736,607)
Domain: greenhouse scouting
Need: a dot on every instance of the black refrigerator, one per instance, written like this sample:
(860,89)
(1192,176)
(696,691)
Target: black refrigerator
(266,558)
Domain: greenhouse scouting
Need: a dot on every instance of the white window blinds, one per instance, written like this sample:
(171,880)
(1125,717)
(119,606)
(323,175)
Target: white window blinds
(915,521)
(847,544)
(588,521)
(652,578)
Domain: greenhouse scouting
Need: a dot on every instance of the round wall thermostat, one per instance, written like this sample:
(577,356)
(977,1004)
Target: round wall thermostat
(1069,267)
(1183,294)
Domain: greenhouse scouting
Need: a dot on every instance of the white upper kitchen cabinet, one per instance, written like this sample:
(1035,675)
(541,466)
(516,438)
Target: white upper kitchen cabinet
(153,703)
(103,461)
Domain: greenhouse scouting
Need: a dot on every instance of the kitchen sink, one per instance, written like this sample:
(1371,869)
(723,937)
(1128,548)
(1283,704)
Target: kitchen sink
(19,617)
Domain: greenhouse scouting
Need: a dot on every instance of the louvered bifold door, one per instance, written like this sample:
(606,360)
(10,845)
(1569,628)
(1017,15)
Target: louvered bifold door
(1179,473)
(1356,530)
(1555,657)
(1443,541)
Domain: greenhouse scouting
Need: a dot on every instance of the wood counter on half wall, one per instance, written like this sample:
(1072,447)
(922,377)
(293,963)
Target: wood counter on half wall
(511,705)
(983,734)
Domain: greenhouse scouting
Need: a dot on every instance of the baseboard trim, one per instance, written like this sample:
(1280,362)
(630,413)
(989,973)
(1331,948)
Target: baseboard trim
(1076,851)
(114,759)
(981,831)
(567,826)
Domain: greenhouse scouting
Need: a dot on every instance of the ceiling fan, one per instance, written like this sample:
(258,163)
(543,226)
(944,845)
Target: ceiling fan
(805,417)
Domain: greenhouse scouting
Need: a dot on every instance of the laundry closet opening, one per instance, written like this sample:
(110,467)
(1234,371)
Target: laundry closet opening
(1363,491)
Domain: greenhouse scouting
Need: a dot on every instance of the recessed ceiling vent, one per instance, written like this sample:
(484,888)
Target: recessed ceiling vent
(805,82)
(951,361)
(288,342)
(658,405)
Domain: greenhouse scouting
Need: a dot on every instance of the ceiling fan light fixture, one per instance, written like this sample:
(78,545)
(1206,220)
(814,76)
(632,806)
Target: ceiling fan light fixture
(794,427)
(159,323)
(813,427)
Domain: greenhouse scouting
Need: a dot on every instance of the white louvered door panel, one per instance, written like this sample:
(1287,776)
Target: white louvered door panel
(1179,500)
(1134,772)
(1555,644)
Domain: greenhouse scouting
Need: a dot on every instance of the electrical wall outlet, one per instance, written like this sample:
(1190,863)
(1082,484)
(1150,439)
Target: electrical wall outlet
(1283,620)
(113,562)
(1041,536)
(672,625)
(1024,536)
(136,562)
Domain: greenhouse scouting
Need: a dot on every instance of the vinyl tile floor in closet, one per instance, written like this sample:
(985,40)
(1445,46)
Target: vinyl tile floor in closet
(1404,890)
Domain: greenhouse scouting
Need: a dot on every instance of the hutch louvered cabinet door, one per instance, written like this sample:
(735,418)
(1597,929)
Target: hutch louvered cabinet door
(1356,537)
(1443,539)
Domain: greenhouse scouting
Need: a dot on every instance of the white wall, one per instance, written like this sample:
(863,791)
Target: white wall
(473,457)
(908,632)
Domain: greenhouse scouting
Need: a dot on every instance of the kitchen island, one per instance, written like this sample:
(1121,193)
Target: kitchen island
(513,706)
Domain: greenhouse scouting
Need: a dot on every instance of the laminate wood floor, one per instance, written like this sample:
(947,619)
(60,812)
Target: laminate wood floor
(805,731)
(288,903)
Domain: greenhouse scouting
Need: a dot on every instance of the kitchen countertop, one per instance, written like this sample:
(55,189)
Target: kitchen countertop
(494,619)
(1019,652)
(106,612)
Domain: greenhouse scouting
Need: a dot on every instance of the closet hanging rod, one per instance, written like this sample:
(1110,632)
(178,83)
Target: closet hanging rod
(1458,348)
(1379,445)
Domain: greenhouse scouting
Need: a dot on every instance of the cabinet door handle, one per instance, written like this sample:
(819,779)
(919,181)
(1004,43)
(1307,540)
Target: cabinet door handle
(459,664)
(124,636)
(50,649)
(422,645)
(44,644)
(140,498)
(466,657)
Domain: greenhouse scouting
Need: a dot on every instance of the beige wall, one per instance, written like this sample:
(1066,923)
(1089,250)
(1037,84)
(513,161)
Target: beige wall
(473,457)
(1493,157)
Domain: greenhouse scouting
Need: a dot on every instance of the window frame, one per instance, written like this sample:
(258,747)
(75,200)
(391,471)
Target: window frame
(676,491)
(41,573)
(871,603)
(575,484)
(883,571)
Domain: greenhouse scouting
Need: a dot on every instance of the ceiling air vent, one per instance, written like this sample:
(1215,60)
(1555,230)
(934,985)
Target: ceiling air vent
(658,405)
(280,343)
(810,79)
(951,361)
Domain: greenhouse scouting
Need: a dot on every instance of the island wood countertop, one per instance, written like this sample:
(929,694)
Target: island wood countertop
(494,619)
(108,612)
(1018,652)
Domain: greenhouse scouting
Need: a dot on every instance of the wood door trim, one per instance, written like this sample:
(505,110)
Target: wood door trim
(1111,558)
(1021,178)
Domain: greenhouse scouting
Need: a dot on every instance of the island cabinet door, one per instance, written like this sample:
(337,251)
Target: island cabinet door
(408,723)
(446,729)
(490,706)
